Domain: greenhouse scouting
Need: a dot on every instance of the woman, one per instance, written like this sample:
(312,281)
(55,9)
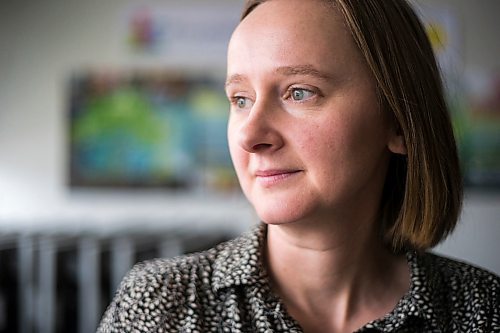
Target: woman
(341,141)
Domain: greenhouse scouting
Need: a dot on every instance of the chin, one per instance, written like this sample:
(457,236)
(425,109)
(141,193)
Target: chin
(273,222)
(280,216)
(272,216)
(283,208)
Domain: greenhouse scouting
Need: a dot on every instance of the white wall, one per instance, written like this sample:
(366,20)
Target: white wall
(476,237)
(479,26)
(42,42)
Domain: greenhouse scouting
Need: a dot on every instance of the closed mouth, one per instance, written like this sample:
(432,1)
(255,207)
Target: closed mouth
(271,177)
(271,173)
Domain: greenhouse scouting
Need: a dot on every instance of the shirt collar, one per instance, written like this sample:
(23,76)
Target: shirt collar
(426,289)
(240,262)
(422,303)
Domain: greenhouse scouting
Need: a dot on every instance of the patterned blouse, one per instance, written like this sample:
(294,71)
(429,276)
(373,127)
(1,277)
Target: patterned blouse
(225,289)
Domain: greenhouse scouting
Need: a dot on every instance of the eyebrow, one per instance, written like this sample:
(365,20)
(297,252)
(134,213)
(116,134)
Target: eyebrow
(235,79)
(308,70)
(302,70)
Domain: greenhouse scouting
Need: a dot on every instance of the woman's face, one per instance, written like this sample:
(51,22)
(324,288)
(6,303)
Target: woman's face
(306,135)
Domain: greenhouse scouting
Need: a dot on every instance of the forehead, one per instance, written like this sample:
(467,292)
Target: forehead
(292,16)
(282,32)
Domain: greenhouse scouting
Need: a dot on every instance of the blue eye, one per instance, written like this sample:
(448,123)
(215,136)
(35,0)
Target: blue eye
(299,94)
(241,102)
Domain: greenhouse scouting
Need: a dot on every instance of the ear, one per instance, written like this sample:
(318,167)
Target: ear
(397,144)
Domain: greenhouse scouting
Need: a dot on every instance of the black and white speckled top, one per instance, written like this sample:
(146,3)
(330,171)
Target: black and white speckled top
(225,289)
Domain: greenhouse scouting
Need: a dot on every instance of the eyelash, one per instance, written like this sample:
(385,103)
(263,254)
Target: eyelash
(234,101)
(289,94)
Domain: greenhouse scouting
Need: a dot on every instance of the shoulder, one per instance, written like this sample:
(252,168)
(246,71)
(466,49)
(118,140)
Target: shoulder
(170,293)
(462,275)
(470,294)
(154,289)
(176,275)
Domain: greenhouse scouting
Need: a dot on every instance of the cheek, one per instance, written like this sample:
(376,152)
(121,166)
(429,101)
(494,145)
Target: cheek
(238,155)
(231,139)
(354,132)
(235,153)
(238,158)
(335,147)
(320,141)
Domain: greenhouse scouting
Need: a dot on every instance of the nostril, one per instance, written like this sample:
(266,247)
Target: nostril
(261,146)
(257,133)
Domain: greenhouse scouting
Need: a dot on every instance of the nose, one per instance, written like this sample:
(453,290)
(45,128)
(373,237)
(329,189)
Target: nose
(260,130)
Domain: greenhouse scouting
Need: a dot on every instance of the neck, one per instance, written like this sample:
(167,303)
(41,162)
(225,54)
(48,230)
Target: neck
(339,271)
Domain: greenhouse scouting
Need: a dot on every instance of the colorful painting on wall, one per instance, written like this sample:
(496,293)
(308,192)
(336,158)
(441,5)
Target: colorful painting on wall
(148,129)
(176,30)
(473,98)
(479,129)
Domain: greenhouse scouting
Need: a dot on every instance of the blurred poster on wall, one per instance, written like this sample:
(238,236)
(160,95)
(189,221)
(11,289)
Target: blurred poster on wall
(473,99)
(480,124)
(444,31)
(179,29)
(148,128)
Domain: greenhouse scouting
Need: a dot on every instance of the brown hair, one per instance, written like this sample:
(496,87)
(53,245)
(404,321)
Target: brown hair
(423,190)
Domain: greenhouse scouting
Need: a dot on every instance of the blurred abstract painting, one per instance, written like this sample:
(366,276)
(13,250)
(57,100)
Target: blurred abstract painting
(155,128)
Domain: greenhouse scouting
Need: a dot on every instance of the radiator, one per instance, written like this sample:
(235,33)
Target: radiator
(63,282)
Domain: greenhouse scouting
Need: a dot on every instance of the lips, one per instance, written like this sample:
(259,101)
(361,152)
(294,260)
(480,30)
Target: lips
(271,177)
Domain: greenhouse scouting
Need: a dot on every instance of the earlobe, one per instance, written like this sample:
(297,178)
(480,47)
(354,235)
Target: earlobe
(397,145)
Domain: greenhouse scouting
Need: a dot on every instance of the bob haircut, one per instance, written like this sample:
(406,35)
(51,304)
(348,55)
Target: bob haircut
(422,195)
